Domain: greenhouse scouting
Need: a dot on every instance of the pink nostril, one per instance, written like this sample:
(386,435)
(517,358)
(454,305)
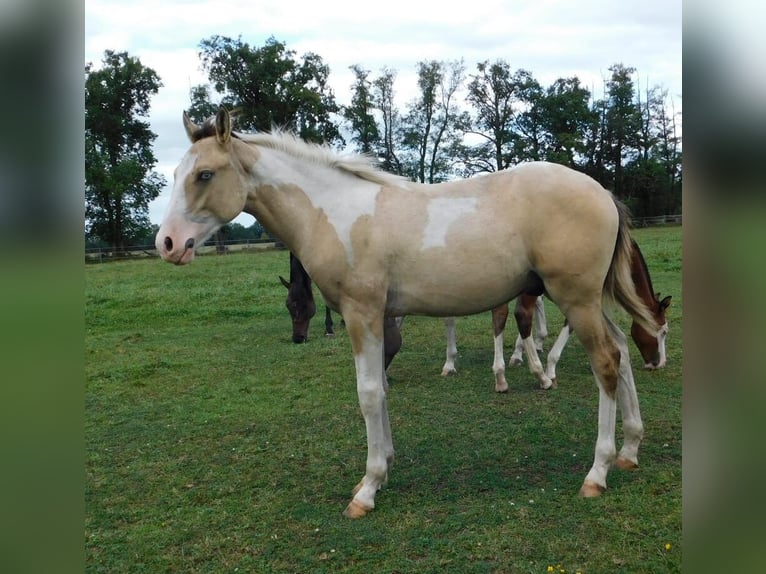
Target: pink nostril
(168,244)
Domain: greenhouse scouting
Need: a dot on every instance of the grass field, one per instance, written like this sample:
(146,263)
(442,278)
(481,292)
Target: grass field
(214,444)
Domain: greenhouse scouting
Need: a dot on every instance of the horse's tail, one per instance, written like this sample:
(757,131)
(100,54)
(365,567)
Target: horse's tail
(618,284)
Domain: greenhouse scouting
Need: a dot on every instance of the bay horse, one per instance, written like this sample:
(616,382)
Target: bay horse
(300,304)
(379,246)
(530,312)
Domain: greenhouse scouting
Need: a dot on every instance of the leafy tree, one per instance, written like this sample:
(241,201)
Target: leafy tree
(383,97)
(119,181)
(565,118)
(202,106)
(491,94)
(270,87)
(528,124)
(432,124)
(622,122)
(360,113)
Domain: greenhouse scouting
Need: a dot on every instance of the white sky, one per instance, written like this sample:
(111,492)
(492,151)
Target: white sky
(550,38)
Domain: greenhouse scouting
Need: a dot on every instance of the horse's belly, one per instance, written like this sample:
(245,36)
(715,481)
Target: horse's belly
(452,294)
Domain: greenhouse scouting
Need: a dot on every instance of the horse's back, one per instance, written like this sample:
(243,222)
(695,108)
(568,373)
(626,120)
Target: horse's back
(492,237)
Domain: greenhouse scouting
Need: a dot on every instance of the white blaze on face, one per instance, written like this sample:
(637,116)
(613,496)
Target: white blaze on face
(178,226)
(177,203)
(442,213)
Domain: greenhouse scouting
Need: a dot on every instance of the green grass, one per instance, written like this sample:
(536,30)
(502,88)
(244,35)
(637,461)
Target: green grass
(214,444)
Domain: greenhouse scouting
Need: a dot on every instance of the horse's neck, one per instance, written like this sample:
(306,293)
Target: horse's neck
(293,196)
(299,276)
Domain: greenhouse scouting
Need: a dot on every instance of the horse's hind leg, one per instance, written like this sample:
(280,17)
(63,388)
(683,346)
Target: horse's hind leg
(590,325)
(499,318)
(524,313)
(627,399)
(540,324)
(540,331)
(449,362)
(328,327)
(555,353)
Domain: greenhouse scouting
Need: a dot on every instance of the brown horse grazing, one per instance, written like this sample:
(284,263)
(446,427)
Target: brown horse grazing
(499,319)
(652,348)
(300,304)
(529,311)
(379,246)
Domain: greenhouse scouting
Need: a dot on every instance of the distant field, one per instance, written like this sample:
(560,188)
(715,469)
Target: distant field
(215,444)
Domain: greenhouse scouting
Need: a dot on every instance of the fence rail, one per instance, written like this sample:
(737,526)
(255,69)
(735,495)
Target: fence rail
(657,220)
(103,254)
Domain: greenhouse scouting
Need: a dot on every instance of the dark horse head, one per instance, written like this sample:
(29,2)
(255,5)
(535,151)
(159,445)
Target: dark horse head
(300,299)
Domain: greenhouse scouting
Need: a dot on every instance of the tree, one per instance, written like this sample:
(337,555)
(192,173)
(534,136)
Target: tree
(202,106)
(271,88)
(383,97)
(565,116)
(491,93)
(359,114)
(431,125)
(528,124)
(622,122)
(119,181)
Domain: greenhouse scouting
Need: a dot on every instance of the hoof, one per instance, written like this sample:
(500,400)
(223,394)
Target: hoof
(591,489)
(545,385)
(329,334)
(448,372)
(515,361)
(355,510)
(501,387)
(625,464)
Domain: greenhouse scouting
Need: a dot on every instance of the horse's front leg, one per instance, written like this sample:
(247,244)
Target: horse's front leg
(367,344)
(540,324)
(555,353)
(499,318)
(627,400)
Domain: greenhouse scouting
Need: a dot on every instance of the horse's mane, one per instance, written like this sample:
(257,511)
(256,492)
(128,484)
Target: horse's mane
(285,141)
(359,165)
(644,266)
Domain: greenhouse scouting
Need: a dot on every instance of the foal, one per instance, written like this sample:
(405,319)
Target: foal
(380,247)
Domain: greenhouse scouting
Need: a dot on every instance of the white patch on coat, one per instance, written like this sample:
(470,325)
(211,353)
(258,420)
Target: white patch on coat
(442,213)
(343,198)
(343,211)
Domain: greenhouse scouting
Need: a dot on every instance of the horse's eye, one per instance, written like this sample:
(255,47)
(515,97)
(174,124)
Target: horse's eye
(205,175)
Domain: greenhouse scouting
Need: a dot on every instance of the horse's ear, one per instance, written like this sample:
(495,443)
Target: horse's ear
(223,126)
(190,127)
(284,282)
(665,303)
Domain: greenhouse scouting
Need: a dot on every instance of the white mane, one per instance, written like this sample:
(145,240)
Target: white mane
(356,164)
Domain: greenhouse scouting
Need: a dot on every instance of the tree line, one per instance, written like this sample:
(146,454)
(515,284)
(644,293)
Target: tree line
(461,122)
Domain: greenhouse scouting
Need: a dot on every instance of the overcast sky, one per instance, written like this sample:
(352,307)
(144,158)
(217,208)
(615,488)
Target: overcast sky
(550,38)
